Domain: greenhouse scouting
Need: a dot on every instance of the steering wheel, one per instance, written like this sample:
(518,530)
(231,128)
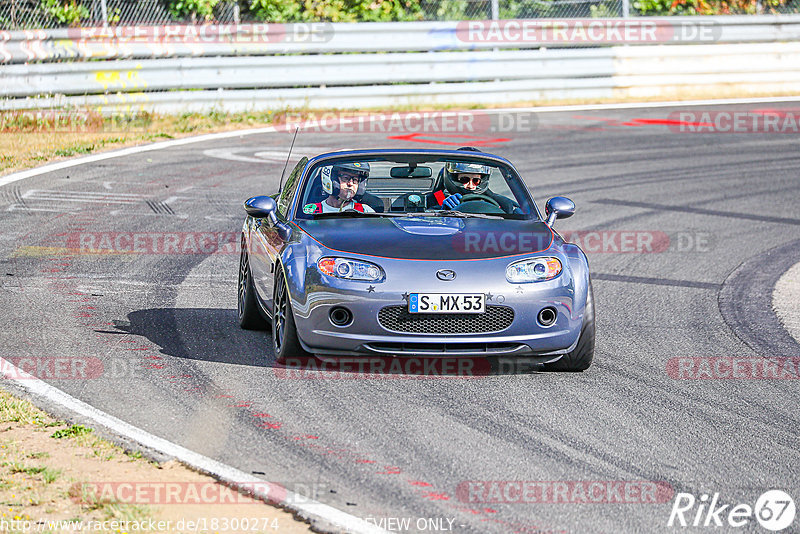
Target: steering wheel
(476,196)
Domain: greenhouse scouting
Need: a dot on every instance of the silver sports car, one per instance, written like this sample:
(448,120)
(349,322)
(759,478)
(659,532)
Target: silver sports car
(394,253)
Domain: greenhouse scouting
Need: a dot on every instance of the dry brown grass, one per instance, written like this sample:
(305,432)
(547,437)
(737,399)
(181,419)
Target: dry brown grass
(23,146)
(45,464)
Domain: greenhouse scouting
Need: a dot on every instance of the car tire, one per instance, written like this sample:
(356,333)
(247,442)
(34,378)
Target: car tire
(285,342)
(581,356)
(247,308)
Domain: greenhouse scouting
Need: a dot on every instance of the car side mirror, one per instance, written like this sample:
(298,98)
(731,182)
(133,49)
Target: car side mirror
(263,207)
(558,208)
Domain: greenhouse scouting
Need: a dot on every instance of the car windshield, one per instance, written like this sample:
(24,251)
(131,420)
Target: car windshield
(397,187)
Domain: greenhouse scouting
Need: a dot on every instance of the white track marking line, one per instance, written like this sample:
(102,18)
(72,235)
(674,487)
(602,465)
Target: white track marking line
(236,478)
(11,178)
(786,300)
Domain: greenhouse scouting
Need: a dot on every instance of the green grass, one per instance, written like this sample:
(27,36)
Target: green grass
(50,424)
(126,512)
(87,148)
(50,475)
(83,148)
(110,509)
(16,467)
(14,410)
(71,432)
(29,484)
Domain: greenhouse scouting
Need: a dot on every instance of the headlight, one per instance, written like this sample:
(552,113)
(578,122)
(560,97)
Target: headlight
(533,270)
(350,269)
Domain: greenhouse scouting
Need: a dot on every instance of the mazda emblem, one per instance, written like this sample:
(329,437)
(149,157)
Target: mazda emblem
(445,274)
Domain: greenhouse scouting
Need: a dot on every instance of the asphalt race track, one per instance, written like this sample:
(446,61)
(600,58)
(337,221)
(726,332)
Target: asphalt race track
(158,332)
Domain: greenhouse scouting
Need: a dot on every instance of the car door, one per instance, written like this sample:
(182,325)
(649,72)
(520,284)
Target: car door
(266,244)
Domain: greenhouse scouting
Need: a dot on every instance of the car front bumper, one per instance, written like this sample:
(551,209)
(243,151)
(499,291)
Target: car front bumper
(367,334)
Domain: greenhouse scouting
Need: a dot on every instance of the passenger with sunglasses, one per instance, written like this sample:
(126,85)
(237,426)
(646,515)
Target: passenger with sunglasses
(345,184)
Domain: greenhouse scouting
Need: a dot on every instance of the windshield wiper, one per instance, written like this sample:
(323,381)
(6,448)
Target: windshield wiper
(443,213)
(451,213)
(354,213)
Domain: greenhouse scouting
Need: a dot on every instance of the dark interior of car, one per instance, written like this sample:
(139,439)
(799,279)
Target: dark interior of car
(386,193)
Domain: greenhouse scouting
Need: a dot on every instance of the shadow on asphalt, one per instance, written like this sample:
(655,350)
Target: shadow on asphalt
(202,334)
(213,335)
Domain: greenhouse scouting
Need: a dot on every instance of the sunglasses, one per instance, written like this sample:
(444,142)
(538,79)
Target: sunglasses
(348,178)
(466,179)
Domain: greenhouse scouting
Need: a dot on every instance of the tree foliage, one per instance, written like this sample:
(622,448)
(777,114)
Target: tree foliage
(335,10)
(75,12)
(67,12)
(708,7)
(195,9)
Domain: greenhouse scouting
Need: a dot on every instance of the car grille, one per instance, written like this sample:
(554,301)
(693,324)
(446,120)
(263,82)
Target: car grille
(494,319)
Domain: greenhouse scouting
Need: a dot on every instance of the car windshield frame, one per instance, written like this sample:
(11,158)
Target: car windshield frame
(519,192)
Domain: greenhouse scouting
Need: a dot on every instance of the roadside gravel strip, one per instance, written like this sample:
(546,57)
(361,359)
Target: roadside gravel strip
(786,300)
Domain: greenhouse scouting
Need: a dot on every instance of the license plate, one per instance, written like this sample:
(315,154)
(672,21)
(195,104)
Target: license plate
(446,303)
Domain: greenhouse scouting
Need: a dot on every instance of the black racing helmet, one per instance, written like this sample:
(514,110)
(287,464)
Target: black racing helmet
(330,177)
(453,168)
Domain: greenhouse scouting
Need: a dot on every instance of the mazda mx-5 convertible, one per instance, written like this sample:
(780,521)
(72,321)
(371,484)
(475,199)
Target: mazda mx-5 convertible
(414,253)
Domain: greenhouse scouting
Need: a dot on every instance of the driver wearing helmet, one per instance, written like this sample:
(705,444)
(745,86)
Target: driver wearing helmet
(461,179)
(345,184)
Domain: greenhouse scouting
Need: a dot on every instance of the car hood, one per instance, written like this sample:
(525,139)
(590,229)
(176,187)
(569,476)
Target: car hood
(430,238)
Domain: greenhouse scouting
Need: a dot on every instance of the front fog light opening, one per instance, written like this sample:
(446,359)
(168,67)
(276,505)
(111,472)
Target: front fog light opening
(340,316)
(547,316)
